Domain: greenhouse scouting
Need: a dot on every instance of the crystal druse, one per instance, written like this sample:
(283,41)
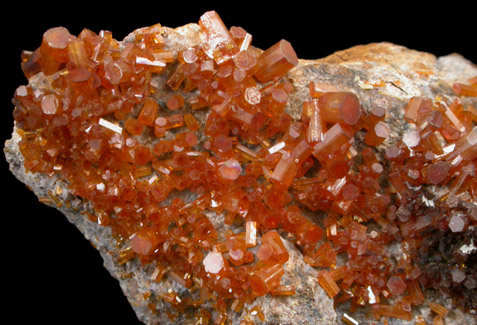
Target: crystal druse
(129,126)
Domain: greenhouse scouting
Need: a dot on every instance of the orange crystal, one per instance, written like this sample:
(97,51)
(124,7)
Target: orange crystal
(318,89)
(465,89)
(272,250)
(220,45)
(266,278)
(143,243)
(328,284)
(333,140)
(438,309)
(133,126)
(251,233)
(276,61)
(437,320)
(285,170)
(316,127)
(340,106)
(31,65)
(53,50)
(175,102)
(391,311)
(191,122)
(148,112)
(283,290)
(230,169)
(412,109)
(396,285)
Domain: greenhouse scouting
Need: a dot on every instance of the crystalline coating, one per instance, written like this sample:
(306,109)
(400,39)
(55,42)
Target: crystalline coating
(155,160)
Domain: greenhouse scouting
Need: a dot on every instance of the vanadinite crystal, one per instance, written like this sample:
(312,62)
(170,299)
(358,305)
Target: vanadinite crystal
(222,133)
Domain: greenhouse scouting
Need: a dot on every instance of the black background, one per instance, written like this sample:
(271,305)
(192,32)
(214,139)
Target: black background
(54,274)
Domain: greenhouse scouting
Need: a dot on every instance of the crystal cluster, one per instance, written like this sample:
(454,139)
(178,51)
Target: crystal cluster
(102,122)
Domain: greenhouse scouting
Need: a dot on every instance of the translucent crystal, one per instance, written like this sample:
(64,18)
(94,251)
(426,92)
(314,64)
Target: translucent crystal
(148,112)
(438,309)
(328,284)
(318,89)
(412,109)
(266,278)
(252,95)
(272,250)
(251,233)
(143,243)
(333,139)
(285,171)
(316,125)
(340,107)
(391,311)
(245,60)
(220,45)
(276,61)
(53,49)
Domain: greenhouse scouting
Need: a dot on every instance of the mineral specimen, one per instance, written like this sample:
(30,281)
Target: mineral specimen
(233,180)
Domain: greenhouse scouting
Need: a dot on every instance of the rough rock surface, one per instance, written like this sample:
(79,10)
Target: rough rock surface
(381,74)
